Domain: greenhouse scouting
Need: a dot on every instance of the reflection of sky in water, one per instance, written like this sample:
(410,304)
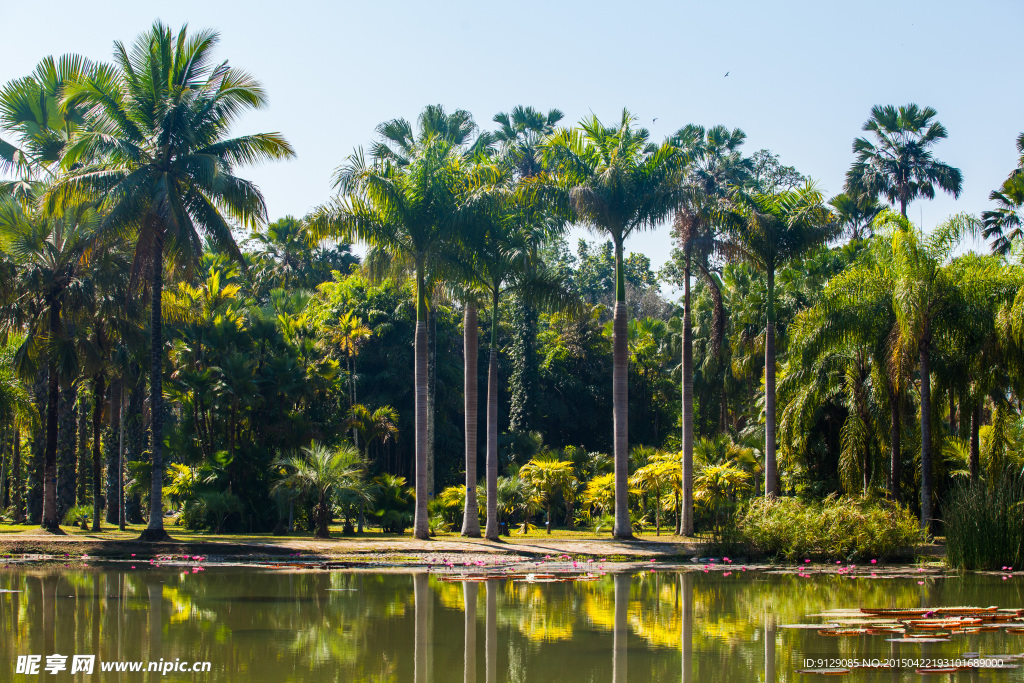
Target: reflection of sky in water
(274,626)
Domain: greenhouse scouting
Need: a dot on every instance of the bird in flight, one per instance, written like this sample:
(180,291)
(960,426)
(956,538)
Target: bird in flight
(726,75)
(654,120)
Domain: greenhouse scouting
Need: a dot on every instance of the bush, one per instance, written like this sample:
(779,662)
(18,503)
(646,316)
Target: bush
(837,527)
(985,524)
(79,515)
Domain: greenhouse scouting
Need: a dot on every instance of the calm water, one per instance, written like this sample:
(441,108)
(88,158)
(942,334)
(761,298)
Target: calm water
(275,625)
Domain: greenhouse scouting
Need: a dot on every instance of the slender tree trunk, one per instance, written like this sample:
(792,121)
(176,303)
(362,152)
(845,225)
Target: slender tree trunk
(431,398)
(894,445)
(975,450)
(16,498)
(66,441)
(926,438)
(687,522)
(111,444)
(771,472)
(492,530)
(82,453)
(623,527)
(99,388)
(421,528)
(471,514)
(50,456)
(122,507)
(155,529)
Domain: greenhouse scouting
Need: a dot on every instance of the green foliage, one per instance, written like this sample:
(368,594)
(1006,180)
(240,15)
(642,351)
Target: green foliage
(984,524)
(392,503)
(837,527)
(78,515)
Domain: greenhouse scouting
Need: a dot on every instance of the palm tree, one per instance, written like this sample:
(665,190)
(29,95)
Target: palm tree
(155,147)
(36,124)
(655,477)
(503,227)
(402,204)
(519,139)
(771,230)
(932,298)
(715,165)
(51,250)
(547,474)
(470,348)
(856,214)
(1003,224)
(326,474)
(615,182)
(899,164)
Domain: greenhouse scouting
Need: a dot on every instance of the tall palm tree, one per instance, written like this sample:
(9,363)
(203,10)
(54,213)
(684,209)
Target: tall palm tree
(51,250)
(771,230)
(615,181)
(715,164)
(1003,224)
(899,164)
(934,297)
(156,148)
(402,207)
(519,140)
(504,226)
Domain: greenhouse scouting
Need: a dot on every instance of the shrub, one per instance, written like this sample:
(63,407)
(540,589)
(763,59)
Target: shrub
(837,527)
(985,524)
(79,515)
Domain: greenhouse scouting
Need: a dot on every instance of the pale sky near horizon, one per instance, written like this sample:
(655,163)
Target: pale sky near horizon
(803,76)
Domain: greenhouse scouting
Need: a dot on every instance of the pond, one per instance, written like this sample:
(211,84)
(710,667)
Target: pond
(254,624)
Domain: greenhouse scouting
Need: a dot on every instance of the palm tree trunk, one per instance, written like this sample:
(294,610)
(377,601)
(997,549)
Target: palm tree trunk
(99,389)
(687,521)
(620,402)
(155,529)
(421,528)
(122,507)
(894,445)
(66,423)
(50,455)
(471,514)
(491,532)
(431,399)
(926,438)
(975,450)
(771,473)
(16,498)
(113,500)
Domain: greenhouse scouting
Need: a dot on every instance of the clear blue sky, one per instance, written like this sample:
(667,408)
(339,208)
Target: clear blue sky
(802,75)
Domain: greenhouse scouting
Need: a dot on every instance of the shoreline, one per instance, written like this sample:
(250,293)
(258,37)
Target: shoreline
(359,551)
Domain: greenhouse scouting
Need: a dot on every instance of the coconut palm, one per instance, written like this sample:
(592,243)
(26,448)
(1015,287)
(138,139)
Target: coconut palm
(155,146)
(35,126)
(327,474)
(771,230)
(899,164)
(615,181)
(402,207)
